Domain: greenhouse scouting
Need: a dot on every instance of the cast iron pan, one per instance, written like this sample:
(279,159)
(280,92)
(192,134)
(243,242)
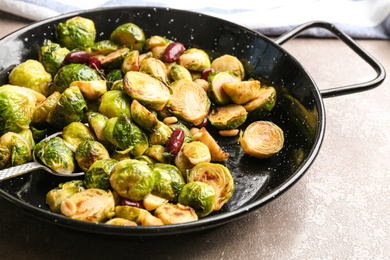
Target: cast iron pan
(299,111)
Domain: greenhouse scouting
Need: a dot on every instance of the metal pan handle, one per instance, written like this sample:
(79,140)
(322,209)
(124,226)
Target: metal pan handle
(349,89)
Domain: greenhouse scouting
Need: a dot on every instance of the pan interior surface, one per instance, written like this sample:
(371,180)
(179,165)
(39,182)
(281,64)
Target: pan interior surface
(299,110)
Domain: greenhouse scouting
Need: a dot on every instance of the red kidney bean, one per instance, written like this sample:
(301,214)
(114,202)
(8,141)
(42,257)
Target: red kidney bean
(173,52)
(176,141)
(76,57)
(205,120)
(136,204)
(206,72)
(95,63)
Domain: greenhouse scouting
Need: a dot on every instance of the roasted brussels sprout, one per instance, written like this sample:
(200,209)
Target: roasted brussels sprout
(43,108)
(217,176)
(149,91)
(28,134)
(121,222)
(14,150)
(178,72)
(56,155)
(97,122)
(51,56)
(16,109)
(56,196)
(92,205)
(75,133)
(168,181)
(91,90)
(157,152)
(98,174)
(77,32)
(71,107)
(175,214)
(155,68)
(189,101)
(89,152)
(132,179)
(137,215)
(215,91)
(198,195)
(31,74)
(262,104)
(241,92)
(104,47)
(152,202)
(228,116)
(196,152)
(194,59)
(262,139)
(156,41)
(160,134)
(126,135)
(131,62)
(143,117)
(117,85)
(183,164)
(114,103)
(216,152)
(115,59)
(129,34)
(114,75)
(73,72)
(229,63)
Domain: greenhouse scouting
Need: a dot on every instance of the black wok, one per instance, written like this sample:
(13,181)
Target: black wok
(299,111)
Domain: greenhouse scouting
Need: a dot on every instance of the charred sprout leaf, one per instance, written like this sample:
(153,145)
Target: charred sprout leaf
(98,174)
(168,181)
(92,205)
(196,152)
(104,47)
(97,122)
(215,91)
(198,195)
(262,139)
(75,133)
(51,56)
(143,117)
(175,214)
(241,92)
(129,34)
(14,150)
(228,116)
(178,72)
(56,196)
(262,104)
(56,155)
(160,135)
(149,91)
(115,59)
(114,75)
(77,32)
(217,176)
(115,103)
(194,59)
(216,152)
(132,179)
(229,63)
(189,101)
(155,68)
(43,108)
(91,90)
(131,62)
(73,72)
(121,222)
(31,74)
(16,109)
(71,107)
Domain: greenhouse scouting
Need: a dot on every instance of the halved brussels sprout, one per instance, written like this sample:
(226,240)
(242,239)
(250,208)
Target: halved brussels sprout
(156,41)
(189,101)
(121,222)
(217,176)
(194,59)
(132,179)
(43,108)
(28,134)
(73,72)
(228,116)
(98,174)
(56,155)
(114,103)
(143,117)
(131,62)
(196,152)
(216,152)
(168,181)
(187,133)
(183,164)
(215,91)
(137,215)
(203,83)
(91,90)
(229,63)
(178,72)
(262,104)
(71,107)
(115,59)
(77,32)
(129,34)
(175,214)
(92,205)
(75,133)
(149,91)
(97,122)
(152,202)
(160,134)
(155,68)
(262,139)
(198,195)
(241,92)
(89,152)
(14,150)
(31,74)
(56,196)
(126,135)
(16,109)
(51,56)
(104,47)
(158,153)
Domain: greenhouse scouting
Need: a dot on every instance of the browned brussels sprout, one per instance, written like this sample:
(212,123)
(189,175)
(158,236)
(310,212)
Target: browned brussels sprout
(229,63)
(228,116)
(129,34)
(77,32)
(89,152)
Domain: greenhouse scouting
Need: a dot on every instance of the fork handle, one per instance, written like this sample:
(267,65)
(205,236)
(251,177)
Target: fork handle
(19,170)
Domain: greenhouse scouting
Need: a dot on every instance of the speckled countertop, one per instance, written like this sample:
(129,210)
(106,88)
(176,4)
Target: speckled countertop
(338,210)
